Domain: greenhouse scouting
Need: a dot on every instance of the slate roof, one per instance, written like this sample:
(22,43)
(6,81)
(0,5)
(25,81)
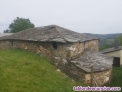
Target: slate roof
(100,62)
(5,34)
(111,49)
(49,33)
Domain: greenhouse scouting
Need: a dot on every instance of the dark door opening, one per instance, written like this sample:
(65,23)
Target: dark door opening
(116,62)
(54,45)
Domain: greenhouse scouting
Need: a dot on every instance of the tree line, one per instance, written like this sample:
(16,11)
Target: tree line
(105,45)
(19,24)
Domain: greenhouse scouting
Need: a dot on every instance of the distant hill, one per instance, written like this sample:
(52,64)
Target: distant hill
(104,36)
(106,40)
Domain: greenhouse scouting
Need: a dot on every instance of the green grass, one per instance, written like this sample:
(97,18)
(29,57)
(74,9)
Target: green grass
(117,77)
(22,71)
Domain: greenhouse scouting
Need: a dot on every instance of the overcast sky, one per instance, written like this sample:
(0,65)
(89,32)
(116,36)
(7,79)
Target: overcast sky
(84,16)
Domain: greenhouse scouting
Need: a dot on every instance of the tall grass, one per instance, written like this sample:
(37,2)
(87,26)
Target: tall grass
(117,77)
(22,71)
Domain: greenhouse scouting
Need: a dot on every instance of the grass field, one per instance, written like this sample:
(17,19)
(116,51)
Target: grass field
(22,71)
(117,77)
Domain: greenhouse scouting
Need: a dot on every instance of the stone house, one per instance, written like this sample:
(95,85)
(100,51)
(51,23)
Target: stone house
(74,53)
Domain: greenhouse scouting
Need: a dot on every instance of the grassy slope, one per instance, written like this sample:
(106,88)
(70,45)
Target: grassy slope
(22,71)
(117,77)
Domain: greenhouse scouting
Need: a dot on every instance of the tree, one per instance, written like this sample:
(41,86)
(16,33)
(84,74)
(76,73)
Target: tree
(19,24)
(120,39)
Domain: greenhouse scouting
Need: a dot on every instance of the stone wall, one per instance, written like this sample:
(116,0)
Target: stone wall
(74,72)
(66,50)
(92,45)
(5,44)
(62,56)
(63,51)
(101,78)
(37,47)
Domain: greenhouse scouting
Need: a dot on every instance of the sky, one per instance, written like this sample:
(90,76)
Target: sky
(83,16)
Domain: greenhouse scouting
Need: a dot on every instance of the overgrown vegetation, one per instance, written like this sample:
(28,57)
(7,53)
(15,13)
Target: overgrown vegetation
(117,77)
(19,24)
(22,71)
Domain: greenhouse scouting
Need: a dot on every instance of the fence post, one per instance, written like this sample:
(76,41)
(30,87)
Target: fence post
(91,75)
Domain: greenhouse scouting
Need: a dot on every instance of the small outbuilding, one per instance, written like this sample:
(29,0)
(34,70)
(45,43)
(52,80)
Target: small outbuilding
(116,53)
(74,53)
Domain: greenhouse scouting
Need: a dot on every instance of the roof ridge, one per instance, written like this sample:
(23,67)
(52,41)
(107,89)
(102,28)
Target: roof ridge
(59,32)
(44,33)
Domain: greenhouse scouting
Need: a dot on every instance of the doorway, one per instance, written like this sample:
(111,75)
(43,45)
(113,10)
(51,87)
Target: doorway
(116,62)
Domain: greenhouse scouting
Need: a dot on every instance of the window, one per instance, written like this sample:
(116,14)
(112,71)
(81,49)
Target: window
(54,45)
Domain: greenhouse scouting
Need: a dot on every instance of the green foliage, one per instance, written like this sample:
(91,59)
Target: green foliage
(120,39)
(22,71)
(107,43)
(110,41)
(19,24)
(117,77)
(6,31)
(106,40)
(102,48)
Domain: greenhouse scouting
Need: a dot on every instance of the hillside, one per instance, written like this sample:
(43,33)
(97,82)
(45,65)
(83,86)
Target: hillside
(104,36)
(22,71)
(106,40)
